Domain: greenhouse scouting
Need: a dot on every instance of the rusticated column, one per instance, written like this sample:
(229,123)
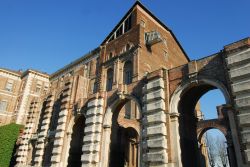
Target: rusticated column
(92,131)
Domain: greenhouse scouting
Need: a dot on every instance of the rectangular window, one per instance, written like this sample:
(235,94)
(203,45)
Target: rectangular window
(119,31)
(128,23)
(3,105)
(38,87)
(9,85)
(95,87)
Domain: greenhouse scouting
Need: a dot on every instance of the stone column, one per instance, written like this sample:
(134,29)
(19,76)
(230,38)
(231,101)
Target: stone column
(56,158)
(105,146)
(154,124)
(92,131)
(43,131)
(23,150)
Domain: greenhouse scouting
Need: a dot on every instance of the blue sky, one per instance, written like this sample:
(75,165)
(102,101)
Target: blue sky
(48,34)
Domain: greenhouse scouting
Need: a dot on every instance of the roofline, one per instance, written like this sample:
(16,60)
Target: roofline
(77,61)
(154,17)
(45,75)
(11,72)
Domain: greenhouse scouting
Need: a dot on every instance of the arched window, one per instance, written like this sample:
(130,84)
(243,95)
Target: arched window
(109,79)
(127,72)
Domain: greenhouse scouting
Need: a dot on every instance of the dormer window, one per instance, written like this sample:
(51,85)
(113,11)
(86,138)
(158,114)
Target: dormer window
(125,26)
(128,24)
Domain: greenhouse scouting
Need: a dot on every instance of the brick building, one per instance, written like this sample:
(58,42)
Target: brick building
(132,102)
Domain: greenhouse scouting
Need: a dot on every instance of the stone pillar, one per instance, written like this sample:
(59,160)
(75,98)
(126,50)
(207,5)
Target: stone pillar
(92,131)
(22,154)
(56,158)
(105,147)
(44,131)
(154,125)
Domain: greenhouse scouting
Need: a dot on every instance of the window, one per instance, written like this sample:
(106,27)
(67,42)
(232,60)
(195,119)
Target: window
(95,87)
(128,23)
(3,105)
(119,31)
(127,73)
(9,85)
(38,87)
(109,79)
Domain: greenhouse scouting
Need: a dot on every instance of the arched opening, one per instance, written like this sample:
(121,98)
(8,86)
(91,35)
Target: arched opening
(109,81)
(127,72)
(190,119)
(124,146)
(75,151)
(213,148)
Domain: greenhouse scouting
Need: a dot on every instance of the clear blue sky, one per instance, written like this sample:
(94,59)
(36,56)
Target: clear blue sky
(48,34)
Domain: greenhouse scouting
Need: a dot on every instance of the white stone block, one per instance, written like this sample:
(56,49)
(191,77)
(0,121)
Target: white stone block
(92,103)
(157,94)
(42,133)
(159,129)
(39,152)
(244,119)
(45,127)
(40,146)
(63,113)
(154,84)
(59,134)
(247,155)
(159,117)
(61,127)
(243,102)
(240,72)
(91,147)
(86,157)
(38,159)
(62,119)
(245,134)
(58,142)
(154,106)
(237,58)
(57,150)
(46,121)
(160,142)
(241,86)
(157,157)
(55,158)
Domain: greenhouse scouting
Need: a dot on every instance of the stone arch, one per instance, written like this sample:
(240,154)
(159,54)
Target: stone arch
(175,98)
(197,86)
(110,108)
(107,124)
(207,125)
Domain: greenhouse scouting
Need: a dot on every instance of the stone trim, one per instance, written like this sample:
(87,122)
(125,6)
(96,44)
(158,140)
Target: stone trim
(154,125)
(92,131)
(23,149)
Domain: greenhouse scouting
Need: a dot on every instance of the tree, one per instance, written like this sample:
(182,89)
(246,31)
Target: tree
(211,150)
(217,151)
(222,152)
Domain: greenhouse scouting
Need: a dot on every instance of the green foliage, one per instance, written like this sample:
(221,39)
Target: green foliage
(8,137)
